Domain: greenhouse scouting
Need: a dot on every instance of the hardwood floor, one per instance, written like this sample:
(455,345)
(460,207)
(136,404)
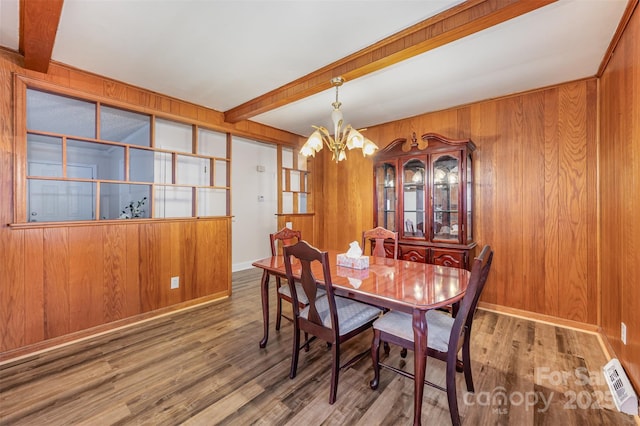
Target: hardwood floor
(203,366)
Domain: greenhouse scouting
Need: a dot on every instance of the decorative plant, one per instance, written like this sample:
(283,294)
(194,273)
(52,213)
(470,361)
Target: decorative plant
(134,209)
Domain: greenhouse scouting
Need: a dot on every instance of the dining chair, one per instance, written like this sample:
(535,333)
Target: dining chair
(331,318)
(284,237)
(446,335)
(377,236)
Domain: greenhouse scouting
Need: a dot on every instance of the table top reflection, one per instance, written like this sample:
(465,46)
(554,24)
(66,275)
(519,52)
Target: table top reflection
(404,285)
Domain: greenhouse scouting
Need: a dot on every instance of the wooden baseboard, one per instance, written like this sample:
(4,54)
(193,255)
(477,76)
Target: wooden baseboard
(560,322)
(61,341)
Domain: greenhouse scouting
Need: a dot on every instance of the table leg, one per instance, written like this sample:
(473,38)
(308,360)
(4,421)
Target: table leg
(264,290)
(419,362)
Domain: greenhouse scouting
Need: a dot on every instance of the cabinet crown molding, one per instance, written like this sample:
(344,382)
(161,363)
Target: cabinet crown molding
(401,146)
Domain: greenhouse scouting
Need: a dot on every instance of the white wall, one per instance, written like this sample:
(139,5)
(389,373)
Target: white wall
(253,220)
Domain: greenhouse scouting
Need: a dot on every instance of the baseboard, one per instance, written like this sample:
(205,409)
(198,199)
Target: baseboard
(534,316)
(61,341)
(241,266)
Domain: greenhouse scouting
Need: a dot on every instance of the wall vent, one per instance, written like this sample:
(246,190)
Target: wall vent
(622,392)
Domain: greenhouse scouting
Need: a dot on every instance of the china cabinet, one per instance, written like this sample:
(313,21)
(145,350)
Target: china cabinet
(423,191)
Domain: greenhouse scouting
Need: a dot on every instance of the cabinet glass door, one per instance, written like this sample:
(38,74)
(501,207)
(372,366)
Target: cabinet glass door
(445,192)
(413,199)
(386,195)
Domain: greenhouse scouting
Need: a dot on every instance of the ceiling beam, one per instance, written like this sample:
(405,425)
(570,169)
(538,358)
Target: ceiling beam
(39,21)
(452,24)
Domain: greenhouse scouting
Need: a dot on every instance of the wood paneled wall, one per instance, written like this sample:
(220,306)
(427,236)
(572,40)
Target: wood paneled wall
(305,223)
(620,197)
(535,194)
(63,281)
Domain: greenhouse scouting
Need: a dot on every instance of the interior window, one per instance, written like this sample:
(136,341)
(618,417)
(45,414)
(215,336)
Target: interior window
(79,167)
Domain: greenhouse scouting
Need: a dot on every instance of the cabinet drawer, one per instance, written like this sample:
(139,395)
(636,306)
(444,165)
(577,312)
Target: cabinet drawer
(451,258)
(413,253)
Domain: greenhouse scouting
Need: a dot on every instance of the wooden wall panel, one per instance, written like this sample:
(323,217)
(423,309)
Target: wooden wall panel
(485,226)
(592,199)
(12,291)
(86,279)
(533,201)
(552,264)
(213,248)
(572,221)
(186,261)
(161,285)
(620,203)
(33,292)
(56,282)
(345,205)
(114,273)
(132,275)
(534,187)
(304,223)
(510,190)
(205,268)
(219,254)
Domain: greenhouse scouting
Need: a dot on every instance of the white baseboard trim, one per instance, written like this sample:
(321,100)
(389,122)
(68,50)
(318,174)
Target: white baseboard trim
(241,266)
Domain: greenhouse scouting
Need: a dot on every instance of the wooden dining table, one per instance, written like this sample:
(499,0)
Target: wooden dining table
(402,285)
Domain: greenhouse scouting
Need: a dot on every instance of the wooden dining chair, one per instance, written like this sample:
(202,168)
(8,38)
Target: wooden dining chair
(446,335)
(378,236)
(278,240)
(331,318)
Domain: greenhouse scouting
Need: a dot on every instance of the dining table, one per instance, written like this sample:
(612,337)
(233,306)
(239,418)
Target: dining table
(405,286)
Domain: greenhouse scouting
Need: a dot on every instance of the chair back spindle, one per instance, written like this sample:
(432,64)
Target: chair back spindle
(378,236)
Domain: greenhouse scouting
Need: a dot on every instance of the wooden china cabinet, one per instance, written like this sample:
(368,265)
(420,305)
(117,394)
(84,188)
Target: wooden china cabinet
(423,190)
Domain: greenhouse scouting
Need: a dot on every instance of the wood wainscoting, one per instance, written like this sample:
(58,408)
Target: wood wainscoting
(69,279)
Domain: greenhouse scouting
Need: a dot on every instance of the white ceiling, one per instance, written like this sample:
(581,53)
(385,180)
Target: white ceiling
(221,54)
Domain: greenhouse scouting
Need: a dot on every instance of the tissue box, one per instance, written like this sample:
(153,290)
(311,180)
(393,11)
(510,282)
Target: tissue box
(361,262)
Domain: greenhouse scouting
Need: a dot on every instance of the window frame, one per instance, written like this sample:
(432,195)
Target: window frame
(20,196)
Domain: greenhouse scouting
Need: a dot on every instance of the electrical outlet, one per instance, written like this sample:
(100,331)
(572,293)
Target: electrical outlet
(289,225)
(175,282)
(623,332)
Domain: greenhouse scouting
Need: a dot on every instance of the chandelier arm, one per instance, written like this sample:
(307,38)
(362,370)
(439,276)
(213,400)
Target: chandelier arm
(344,134)
(326,137)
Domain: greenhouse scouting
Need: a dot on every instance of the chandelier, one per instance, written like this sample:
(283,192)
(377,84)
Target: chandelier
(342,139)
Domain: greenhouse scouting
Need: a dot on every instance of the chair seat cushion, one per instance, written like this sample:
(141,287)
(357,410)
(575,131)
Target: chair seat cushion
(351,314)
(302,297)
(439,325)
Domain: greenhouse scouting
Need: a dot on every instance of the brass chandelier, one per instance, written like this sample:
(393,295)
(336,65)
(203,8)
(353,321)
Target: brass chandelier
(342,139)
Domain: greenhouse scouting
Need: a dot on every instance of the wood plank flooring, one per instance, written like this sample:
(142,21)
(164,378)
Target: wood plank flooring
(203,366)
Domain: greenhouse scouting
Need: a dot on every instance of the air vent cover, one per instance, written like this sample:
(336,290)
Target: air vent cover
(622,392)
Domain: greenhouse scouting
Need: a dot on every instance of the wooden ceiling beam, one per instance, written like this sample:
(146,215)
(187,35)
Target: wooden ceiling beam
(39,21)
(453,24)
